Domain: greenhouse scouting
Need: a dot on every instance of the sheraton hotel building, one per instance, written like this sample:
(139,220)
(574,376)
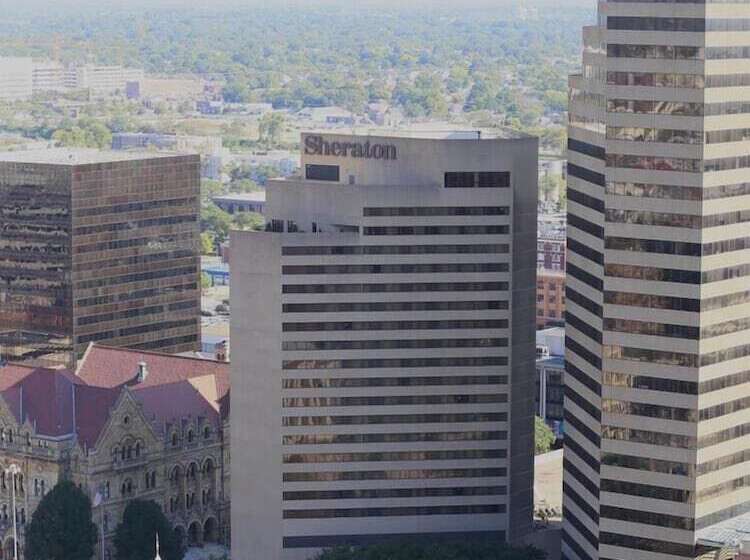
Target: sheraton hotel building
(383,339)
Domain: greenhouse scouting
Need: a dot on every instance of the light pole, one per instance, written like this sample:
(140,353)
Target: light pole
(99,501)
(14,470)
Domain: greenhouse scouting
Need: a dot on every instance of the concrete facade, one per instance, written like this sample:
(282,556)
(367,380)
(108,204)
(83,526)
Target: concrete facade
(383,346)
(657,392)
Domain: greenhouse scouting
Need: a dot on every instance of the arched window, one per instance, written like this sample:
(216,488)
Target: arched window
(175,439)
(207,432)
(123,453)
(153,479)
(138,449)
(127,488)
(190,436)
(192,471)
(10,435)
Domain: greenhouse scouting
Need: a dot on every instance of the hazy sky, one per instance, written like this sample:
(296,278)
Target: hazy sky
(127,5)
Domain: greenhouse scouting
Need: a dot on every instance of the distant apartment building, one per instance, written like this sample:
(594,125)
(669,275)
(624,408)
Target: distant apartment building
(16,78)
(22,77)
(550,377)
(49,76)
(551,253)
(383,345)
(550,298)
(210,147)
(236,203)
(97,247)
(102,80)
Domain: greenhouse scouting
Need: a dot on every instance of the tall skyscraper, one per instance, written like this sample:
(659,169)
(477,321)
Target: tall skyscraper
(383,346)
(657,417)
(97,247)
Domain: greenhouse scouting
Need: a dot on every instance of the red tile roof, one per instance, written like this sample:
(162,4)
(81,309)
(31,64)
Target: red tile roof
(174,389)
(104,366)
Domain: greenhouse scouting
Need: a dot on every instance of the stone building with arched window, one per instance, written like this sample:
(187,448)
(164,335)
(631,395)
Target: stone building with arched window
(126,424)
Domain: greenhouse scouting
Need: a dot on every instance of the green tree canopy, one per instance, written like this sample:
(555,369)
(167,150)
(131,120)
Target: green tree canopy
(249,221)
(61,527)
(434,550)
(271,129)
(215,221)
(135,538)
(543,437)
(207,243)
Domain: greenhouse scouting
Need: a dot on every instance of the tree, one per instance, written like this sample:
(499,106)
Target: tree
(249,221)
(543,437)
(216,221)
(61,527)
(207,243)
(271,128)
(135,538)
(480,549)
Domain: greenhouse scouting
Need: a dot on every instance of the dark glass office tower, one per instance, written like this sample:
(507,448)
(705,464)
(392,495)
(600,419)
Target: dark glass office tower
(97,247)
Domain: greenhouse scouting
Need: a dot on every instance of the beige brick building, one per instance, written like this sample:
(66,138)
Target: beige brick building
(125,425)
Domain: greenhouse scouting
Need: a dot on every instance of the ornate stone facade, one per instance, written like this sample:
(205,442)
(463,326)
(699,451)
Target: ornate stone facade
(125,425)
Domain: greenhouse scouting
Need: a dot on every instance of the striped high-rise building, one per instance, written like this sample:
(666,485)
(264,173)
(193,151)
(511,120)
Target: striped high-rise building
(383,346)
(657,408)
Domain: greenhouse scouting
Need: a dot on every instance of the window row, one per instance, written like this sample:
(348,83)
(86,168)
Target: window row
(393,456)
(380,493)
(323,345)
(646,464)
(499,248)
(392,511)
(396,325)
(396,400)
(354,382)
(667,136)
(656,79)
(394,287)
(674,192)
(377,419)
(401,474)
(437,211)
(401,437)
(612,406)
(652,107)
(655,163)
(385,306)
(436,230)
(430,268)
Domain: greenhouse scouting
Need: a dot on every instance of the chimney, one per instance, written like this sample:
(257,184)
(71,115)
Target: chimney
(222,351)
(142,372)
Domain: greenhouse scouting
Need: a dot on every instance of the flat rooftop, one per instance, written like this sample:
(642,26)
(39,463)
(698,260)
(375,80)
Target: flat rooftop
(79,156)
(255,196)
(439,131)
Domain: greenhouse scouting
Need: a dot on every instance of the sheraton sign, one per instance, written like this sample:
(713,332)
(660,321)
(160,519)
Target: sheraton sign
(316,146)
